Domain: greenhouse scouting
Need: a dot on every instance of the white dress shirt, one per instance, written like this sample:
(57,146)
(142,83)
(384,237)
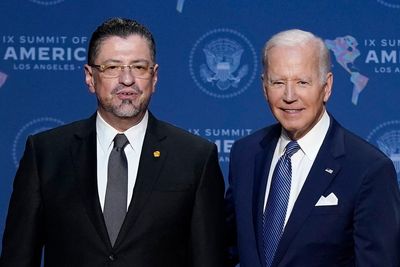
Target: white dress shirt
(302,160)
(105,143)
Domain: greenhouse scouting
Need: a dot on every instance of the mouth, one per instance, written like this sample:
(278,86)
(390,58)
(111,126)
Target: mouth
(292,110)
(127,94)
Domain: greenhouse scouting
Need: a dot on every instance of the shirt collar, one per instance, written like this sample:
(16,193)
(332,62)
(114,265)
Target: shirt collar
(106,133)
(312,141)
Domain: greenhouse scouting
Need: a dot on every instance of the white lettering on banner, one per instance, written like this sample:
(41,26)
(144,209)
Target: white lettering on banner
(7,39)
(59,67)
(387,70)
(227,132)
(369,42)
(390,42)
(10,53)
(79,40)
(24,39)
(223,138)
(378,55)
(42,39)
(385,55)
(45,53)
(54,67)
(382,56)
(224,145)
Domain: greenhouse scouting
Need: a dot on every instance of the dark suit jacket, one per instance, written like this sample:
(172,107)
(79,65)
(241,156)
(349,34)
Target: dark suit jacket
(362,230)
(175,217)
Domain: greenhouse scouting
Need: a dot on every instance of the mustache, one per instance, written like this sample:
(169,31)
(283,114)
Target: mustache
(119,88)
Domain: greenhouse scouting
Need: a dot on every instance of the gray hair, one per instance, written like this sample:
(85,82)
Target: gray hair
(297,37)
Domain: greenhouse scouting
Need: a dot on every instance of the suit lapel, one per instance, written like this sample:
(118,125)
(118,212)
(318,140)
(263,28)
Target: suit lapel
(261,169)
(151,161)
(83,152)
(315,185)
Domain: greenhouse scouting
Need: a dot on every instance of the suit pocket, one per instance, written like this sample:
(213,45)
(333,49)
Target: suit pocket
(343,208)
(326,210)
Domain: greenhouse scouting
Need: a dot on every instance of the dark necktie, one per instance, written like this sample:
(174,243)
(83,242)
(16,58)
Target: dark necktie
(278,198)
(117,188)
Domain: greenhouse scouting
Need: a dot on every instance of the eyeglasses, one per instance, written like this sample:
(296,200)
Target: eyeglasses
(138,70)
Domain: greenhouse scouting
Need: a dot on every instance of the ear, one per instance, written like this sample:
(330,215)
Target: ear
(155,77)
(89,79)
(328,86)
(264,85)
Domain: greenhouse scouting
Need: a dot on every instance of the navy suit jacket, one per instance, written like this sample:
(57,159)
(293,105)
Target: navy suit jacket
(362,230)
(175,217)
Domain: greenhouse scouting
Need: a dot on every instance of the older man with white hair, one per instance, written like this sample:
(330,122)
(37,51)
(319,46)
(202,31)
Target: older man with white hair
(305,191)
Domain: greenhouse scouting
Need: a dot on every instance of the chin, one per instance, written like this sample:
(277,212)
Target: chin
(126,112)
(290,128)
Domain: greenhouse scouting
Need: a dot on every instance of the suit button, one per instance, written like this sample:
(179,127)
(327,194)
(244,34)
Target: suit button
(112,257)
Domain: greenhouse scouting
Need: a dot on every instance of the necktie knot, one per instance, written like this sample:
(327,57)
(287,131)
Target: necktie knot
(291,148)
(120,141)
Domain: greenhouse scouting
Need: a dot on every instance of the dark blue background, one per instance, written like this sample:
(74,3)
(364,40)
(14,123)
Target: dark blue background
(34,100)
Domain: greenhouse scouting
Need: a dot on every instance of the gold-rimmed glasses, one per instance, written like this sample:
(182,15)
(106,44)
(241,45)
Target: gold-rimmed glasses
(141,70)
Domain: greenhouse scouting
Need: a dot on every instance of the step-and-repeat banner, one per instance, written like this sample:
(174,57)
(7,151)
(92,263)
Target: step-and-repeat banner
(209,56)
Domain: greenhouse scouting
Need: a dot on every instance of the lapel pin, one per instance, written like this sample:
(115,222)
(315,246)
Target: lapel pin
(330,171)
(156,154)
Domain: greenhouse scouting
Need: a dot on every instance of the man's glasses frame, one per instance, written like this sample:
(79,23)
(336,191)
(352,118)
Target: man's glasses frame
(138,70)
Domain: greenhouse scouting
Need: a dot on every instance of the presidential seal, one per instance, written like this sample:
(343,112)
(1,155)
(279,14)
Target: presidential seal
(33,127)
(223,63)
(387,137)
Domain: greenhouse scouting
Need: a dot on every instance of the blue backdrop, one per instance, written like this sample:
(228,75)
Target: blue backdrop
(43,47)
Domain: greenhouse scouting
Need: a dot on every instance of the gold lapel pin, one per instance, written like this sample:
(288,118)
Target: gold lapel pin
(156,154)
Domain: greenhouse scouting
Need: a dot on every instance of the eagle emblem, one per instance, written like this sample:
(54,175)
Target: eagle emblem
(387,137)
(223,58)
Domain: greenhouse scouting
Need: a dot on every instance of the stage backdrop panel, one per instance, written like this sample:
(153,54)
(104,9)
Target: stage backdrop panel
(209,56)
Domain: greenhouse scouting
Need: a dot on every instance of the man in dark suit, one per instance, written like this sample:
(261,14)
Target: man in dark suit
(306,192)
(74,181)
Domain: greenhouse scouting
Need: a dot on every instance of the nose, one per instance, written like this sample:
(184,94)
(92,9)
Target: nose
(126,77)
(290,92)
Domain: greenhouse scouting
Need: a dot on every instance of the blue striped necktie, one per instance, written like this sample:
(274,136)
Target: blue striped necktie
(278,198)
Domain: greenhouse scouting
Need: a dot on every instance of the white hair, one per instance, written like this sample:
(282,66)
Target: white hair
(297,37)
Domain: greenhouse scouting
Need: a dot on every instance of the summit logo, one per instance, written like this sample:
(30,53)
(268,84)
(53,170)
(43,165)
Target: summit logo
(365,58)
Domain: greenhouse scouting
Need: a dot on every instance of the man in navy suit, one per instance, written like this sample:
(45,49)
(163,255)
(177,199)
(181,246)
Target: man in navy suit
(164,209)
(342,201)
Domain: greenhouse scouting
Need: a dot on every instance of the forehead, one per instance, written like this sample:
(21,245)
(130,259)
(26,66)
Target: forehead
(131,46)
(293,58)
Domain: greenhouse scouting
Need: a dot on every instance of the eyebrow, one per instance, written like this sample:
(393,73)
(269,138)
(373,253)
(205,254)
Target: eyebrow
(271,79)
(110,61)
